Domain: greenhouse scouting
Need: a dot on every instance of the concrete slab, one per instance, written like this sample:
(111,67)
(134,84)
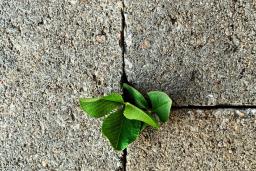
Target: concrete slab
(198,140)
(200,52)
(52,53)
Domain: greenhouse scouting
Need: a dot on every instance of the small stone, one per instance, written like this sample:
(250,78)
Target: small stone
(145,44)
(44,163)
(73,2)
(128,63)
(100,38)
(239,113)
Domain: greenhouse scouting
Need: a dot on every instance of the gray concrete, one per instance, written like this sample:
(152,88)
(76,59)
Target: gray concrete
(52,53)
(198,140)
(200,52)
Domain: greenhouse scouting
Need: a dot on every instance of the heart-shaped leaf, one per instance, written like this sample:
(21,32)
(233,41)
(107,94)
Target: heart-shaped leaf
(134,113)
(136,96)
(98,107)
(120,131)
(161,104)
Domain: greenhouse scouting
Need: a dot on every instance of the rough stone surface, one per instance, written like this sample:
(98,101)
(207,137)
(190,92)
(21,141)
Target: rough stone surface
(52,53)
(200,52)
(198,140)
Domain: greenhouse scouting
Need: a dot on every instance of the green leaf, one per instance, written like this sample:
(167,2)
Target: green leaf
(100,106)
(134,113)
(136,96)
(161,104)
(120,131)
(114,97)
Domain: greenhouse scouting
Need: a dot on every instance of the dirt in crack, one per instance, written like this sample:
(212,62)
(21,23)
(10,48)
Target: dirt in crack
(123,78)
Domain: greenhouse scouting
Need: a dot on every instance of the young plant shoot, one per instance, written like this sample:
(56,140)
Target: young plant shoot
(125,118)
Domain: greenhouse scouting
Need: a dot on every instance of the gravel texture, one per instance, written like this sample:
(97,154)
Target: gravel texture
(198,140)
(52,53)
(200,52)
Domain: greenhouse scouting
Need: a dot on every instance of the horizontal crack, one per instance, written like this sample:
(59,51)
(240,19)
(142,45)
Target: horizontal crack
(215,107)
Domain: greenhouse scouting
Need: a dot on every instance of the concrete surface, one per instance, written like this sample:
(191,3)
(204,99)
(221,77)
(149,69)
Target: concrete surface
(198,140)
(52,53)
(200,52)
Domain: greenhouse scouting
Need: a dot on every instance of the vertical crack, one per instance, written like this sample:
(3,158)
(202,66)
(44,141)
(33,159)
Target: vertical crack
(123,46)
(124,76)
(124,159)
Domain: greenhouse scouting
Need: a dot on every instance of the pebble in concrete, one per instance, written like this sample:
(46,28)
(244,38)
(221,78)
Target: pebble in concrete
(52,53)
(198,140)
(200,52)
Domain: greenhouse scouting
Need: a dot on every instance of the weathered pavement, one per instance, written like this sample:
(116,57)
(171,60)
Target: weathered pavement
(52,53)
(201,53)
(223,139)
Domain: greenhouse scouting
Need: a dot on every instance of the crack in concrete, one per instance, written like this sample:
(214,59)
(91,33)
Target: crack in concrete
(215,107)
(124,76)
(124,159)
(123,46)
(124,79)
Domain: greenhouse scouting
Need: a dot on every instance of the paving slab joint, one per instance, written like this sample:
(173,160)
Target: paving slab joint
(123,47)
(225,106)
(124,76)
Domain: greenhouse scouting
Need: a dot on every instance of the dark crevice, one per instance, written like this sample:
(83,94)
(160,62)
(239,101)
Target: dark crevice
(123,47)
(239,107)
(124,76)
(124,159)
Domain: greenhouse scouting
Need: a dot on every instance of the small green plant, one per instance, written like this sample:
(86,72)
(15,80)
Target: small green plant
(126,119)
